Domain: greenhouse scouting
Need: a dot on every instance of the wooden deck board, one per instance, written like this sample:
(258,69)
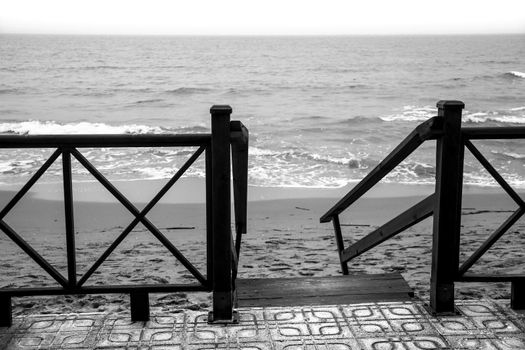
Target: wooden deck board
(350,289)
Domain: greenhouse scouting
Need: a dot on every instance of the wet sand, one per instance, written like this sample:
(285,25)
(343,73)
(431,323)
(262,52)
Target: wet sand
(284,239)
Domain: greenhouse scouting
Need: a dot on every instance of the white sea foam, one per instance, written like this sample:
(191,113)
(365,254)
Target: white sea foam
(484,117)
(351,161)
(517,74)
(156,173)
(420,114)
(256,151)
(50,127)
(6,167)
(411,114)
(513,155)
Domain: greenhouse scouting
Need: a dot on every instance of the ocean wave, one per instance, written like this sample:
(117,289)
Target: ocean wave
(268,167)
(36,127)
(130,89)
(246,91)
(299,157)
(152,100)
(411,113)
(256,151)
(482,117)
(102,66)
(311,118)
(88,93)
(9,91)
(412,171)
(156,173)
(352,162)
(51,127)
(514,74)
(186,91)
(509,155)
(420,114)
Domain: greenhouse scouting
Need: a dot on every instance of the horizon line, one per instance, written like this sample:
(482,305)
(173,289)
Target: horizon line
(264,35)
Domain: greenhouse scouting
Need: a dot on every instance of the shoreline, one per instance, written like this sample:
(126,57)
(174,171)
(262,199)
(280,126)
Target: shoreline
(192,190)
(284,239)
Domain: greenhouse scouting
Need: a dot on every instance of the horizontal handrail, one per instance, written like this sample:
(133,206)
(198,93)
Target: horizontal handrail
(119,288)
(103,140)
(491,133)
(425,131)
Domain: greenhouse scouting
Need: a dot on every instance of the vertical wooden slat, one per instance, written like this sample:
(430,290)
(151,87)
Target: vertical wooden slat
(6,312)
(221,214)
(69,218)
(340,243)
(447,211)
(209,221)
(517,295)
(239,151)
(240,174)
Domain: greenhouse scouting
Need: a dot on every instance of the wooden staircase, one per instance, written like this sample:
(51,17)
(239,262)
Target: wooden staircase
(331,290)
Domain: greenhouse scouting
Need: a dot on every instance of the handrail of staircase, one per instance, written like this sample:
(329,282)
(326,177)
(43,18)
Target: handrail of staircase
(427,130)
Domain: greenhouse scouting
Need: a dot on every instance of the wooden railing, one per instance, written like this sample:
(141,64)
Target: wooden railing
(227,139)
(444,205)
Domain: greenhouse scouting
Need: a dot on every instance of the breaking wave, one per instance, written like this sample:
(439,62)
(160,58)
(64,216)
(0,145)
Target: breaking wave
(420,114)
(186,91)
(50,127)
(515,74)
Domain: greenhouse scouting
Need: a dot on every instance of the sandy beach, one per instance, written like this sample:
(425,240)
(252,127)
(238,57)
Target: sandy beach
(284,238)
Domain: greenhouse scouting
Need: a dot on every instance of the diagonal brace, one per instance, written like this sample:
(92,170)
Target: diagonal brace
(140,215)
(15,237)
(403,221)
(486,164)
(30,183)
(491,240)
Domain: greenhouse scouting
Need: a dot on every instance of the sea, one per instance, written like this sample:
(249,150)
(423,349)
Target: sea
(322,111)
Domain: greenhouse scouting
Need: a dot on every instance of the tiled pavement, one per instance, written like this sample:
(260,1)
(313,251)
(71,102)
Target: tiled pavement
(484,324)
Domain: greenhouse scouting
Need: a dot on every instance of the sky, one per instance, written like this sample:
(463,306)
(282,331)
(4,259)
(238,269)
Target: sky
(262,17)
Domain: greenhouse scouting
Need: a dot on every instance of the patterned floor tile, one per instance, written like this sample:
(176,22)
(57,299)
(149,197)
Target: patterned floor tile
(481,324)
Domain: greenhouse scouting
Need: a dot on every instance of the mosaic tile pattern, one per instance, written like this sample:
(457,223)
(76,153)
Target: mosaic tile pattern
(481,324)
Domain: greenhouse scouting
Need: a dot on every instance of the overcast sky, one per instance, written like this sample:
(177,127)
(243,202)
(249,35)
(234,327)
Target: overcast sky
(262,17)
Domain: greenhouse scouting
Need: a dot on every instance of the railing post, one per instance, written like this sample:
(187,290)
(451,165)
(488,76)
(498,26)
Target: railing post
(6,312)
(139,304)
(517,295)
(221,216)
(447,208)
